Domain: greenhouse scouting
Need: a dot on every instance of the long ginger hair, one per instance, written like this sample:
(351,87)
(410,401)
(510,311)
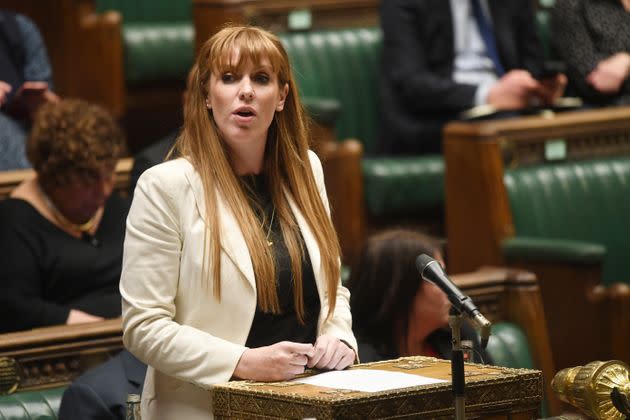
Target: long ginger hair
(286,165)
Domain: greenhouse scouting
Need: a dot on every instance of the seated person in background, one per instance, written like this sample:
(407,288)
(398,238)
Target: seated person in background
(395,313)
(441,57)
(150,156)
(101,392)
(61,232)
(593,38)
(25,80)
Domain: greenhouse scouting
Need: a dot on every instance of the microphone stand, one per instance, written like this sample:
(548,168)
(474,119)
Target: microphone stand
(457,364)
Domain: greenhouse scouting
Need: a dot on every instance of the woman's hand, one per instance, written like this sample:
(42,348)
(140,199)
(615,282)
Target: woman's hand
(610,73)
(79,317)
(278,362)
(331,353)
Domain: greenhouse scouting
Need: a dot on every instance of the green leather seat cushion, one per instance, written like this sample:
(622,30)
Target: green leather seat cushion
(157,50)
(31,405)
(403,185)
(583,202)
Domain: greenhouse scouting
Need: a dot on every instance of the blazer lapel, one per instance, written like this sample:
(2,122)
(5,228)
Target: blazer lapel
(232,239)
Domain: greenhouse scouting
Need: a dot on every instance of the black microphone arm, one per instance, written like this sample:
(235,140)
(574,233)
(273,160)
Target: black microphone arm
(432,271)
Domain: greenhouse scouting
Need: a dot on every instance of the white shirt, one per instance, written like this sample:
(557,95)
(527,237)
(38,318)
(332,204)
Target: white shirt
(472,64)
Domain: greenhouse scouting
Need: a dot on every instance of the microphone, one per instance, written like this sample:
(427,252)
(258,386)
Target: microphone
(432,271)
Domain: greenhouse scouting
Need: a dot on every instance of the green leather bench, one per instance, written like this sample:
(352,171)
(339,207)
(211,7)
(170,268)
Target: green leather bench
(31,405)
(574,212)
(507,347)
(343,65)
(158,38)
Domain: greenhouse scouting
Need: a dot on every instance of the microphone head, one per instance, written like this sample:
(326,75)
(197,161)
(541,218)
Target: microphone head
(422,261)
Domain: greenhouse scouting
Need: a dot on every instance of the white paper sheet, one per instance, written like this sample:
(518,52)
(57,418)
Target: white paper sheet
(367,380)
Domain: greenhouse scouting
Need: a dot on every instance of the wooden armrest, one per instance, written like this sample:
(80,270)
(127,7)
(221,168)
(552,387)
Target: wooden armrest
(54,356)
(508,294)
(11,179)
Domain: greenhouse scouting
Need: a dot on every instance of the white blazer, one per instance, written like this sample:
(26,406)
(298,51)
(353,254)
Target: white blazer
(171,320)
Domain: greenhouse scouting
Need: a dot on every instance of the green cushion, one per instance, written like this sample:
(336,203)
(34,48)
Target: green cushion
(158,37)
(157,50)
(31,405)
(403,185)
(586,201)
(149,10)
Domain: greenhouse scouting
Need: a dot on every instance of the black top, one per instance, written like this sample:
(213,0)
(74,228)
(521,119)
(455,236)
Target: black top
(45,272)
(268,328)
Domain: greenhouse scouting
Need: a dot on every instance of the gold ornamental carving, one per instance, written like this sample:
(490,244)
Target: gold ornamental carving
(589,388)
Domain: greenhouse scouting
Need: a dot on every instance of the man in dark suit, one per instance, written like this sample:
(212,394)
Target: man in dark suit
(150,156)
(101,393)
(441,57)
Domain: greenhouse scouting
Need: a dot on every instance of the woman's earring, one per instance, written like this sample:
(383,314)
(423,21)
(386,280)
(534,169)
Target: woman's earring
(208,104)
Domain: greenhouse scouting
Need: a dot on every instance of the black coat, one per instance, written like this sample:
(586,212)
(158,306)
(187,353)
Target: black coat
(101,393)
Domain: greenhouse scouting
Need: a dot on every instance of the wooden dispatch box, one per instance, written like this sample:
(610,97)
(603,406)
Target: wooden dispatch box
(491,393)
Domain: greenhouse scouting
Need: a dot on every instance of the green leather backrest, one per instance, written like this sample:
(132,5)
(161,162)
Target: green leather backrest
(158,51)
(158,38)
(31,405)
(149,10)
(341,64)
(585,200)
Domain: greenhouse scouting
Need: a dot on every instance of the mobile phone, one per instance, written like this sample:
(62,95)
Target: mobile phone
(551,69)
(32,90)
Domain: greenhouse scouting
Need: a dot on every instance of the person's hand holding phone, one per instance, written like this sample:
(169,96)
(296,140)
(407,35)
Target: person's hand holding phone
(30,96)
(552,88)
(513,90)
(610,73)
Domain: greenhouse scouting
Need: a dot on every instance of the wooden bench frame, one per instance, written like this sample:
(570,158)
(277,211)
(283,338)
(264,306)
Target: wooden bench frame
(479,219)
(53,356)
(513,295)
(11,179)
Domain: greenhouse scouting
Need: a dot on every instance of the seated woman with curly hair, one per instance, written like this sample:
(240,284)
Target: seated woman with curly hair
(61,233)
(395,313)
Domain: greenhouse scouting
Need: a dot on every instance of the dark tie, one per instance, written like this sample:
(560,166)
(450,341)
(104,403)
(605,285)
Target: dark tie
(487,34)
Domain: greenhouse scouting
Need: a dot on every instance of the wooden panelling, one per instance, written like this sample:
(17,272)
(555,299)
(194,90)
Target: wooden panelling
(211,15)
(53,356)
